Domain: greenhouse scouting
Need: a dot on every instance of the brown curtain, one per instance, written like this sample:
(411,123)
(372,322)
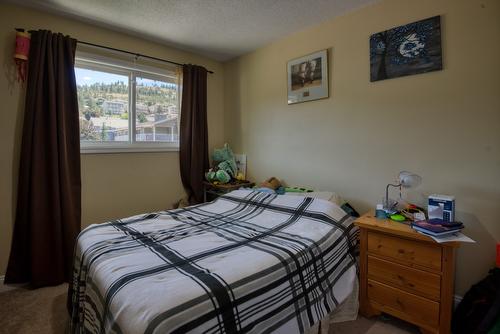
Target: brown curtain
(49,187)
(193,140)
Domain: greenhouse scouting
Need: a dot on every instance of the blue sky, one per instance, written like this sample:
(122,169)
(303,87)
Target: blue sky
(89,77)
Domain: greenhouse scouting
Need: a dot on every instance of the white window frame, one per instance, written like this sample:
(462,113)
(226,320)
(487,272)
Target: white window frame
(132,71)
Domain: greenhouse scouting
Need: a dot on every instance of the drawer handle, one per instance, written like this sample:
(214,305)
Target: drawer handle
(400,304)
(403,280)
(402,251)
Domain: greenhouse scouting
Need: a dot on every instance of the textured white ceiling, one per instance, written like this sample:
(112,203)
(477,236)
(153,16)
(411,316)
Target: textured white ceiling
(219,29)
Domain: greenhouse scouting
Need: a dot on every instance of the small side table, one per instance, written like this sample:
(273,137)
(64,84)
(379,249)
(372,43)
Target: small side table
(405,274)
(213,191)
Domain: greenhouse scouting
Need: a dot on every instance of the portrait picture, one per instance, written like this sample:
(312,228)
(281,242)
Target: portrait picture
(306,74)
(406,50)
(308,78)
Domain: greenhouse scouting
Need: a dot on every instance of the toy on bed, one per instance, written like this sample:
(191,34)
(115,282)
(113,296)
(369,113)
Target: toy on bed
(298,190)
(272,185)
(223,166)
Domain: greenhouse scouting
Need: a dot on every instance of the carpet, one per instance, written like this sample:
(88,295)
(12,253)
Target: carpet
(43,311)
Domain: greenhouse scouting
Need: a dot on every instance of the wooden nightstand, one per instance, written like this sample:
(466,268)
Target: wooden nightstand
(212,191)
(405,274)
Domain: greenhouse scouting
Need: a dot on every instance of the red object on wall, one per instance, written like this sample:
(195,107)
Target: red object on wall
(21,53)
(498,255)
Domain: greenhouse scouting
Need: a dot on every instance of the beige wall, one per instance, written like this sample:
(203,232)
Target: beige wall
(442,125)
(114,185)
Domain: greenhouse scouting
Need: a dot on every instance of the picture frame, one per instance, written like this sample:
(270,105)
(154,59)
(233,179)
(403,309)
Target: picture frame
(409,49)
(307,77)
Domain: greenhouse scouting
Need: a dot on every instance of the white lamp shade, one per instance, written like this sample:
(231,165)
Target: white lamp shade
(409,180)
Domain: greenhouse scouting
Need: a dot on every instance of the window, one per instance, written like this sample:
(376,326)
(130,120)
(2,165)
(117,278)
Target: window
(125,107)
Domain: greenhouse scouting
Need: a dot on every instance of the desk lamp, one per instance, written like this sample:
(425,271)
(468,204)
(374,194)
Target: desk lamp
(405,180)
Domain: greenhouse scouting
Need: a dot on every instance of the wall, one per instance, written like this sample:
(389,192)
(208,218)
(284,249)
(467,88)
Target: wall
(443,125)
(114,185)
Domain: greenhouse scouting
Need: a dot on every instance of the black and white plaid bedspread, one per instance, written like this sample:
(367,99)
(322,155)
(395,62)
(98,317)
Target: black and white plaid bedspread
(247,262)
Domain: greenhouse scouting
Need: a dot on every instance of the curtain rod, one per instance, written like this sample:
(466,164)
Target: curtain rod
(133,53)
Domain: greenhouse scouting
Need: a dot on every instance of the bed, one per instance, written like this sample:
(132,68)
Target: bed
(247,262)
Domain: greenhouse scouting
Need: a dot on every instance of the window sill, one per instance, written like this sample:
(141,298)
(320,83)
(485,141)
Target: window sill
(128,148)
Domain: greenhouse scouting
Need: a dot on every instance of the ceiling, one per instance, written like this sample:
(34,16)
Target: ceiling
(218,29)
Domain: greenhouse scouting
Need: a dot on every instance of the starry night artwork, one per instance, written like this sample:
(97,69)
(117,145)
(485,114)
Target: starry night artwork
(410,49)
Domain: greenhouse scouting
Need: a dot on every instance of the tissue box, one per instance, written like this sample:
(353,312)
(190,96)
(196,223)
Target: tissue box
(441,207)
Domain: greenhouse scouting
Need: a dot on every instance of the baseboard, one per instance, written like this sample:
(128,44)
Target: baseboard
(4,288)
(456,300)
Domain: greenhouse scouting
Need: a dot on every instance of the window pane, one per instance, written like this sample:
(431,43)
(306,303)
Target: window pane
(156,111)
(102,105)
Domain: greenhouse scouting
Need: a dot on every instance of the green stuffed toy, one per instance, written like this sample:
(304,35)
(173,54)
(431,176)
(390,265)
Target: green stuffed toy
(224,166)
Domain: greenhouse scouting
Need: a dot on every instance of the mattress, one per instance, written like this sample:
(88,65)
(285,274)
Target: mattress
(248,262)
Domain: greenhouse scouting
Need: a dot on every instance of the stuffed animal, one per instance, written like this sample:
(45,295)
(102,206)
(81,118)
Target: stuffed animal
(271,183)
(223,166)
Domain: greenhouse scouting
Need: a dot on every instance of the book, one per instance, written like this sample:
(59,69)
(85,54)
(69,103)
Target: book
(441,222)
(436,228)
(435,234)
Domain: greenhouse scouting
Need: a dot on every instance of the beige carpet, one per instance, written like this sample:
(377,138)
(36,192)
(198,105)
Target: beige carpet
(44,311)
(34,311)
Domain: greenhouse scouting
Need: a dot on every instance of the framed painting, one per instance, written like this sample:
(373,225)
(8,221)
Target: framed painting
(308,77)
(406,50)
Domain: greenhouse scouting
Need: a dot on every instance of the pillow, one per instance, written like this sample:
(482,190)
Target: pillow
(331,197)
(326,195)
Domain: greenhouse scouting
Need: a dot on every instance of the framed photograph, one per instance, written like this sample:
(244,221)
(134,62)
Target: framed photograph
(406,50)
(308,78)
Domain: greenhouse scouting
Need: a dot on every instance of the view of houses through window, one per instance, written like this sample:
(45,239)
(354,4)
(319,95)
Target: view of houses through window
(156,111)
(107,99)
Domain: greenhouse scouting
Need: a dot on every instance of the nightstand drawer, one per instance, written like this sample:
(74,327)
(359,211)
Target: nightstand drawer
(415,281)
(411,253)
(405,305)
